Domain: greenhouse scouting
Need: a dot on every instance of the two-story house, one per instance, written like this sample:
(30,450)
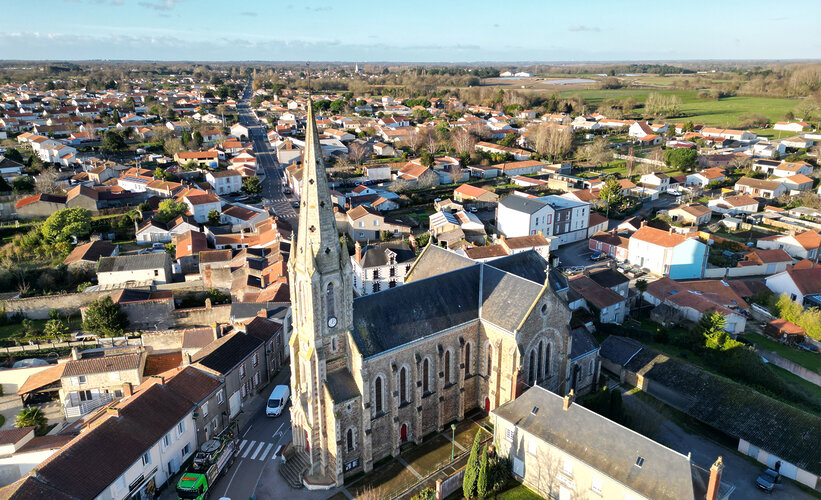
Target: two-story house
(90,382)
(667,254)
(802,245)
(523,216)
(380,266)
(225,181)
(366,224)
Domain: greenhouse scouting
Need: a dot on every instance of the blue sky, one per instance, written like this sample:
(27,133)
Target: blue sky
(416,31)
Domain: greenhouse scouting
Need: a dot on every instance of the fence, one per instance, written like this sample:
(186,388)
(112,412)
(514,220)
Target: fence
(794,368)
(51,346)
(447,486)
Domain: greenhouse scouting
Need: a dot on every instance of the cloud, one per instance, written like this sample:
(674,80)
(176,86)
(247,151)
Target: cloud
(159,4)
(248,13)
(583,28)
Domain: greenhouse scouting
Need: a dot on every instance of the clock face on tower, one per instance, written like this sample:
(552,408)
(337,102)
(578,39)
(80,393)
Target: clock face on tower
(332,321)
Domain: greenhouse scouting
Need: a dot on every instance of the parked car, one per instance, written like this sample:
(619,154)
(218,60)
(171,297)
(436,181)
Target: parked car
(158,246)
(598,255)
(277,401)
(295,204)
(767,479)
(807,347)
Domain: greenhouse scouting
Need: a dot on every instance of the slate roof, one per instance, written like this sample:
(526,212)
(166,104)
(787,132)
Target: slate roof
(28,488)
(528,265)
(228,351)
(341,385)
(435,260)
(132,262)
(619,350)
(375,255)
(583,343)
(522,204)
(602,444)
(608,278)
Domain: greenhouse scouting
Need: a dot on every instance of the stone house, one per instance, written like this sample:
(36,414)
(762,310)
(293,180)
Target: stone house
(122,270)
(90,382)
(365,224)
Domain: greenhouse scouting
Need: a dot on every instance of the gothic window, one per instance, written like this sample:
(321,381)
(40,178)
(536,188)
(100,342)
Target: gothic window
(489,359)
(467,360)
(331,301)
(539,366)
(349,440)
(547,360)
(425,376)
(447,367)
(532,377)
(403,385)
(377,394)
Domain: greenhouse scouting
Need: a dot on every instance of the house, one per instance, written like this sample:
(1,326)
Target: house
(225,181)
(782,168)
(640,129)
(509,246)
(187,250)
(552,448)
(596,223)
(201,204)
(154,433)
(86,256)
(525,167)
(123,270)
(239,131)
(484,171)
(734,205)
(21,451)
(694,214)
(791,126)
(798,282)
(611,243)
(154,231)
(382,149)
(571,219)
(379,266)
(481,198)
(656,181)
(679,301)
(39,205)
(516,153)
(705,177)
(415,176)
(608,305)
(802,245)
(88,383)
(667,253)
(760,188)
(797,183)
(785,331)
(520,216)
(365,224)
(771,261)
(735,135)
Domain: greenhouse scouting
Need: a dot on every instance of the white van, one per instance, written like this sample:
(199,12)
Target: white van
(277,401)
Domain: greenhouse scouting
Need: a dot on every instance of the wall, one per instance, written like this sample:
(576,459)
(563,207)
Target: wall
(158,342)
(11,380)
(201,316)
(688,260)
(39,307)
(152,314)
(795,368)
(454,483)
(14,467)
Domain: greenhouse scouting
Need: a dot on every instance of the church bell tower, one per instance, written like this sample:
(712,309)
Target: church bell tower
(319,270)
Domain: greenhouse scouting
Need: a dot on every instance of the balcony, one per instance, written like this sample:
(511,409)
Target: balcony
(86,406)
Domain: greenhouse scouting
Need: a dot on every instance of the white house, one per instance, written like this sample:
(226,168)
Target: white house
(667,253)
(123,270)
(705,177)
(656,180)
(760,188)
(734,205)
(521,216)
(380,266)
(239,131)
(225,181)
(640,129)
(791,126)
(797,284)
(199,205)
(799,245)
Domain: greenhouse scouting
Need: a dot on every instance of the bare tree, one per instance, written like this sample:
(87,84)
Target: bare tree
(415,140)
(357,152)
(46,182)
(550,139)
(462,141)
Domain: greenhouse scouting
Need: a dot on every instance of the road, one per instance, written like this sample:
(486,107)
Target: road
(272,187)
(259,439)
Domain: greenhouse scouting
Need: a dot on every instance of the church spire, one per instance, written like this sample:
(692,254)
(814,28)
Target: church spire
(317,242)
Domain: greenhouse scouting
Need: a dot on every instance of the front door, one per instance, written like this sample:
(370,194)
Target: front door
(487,405)
(307,443)
(403,433)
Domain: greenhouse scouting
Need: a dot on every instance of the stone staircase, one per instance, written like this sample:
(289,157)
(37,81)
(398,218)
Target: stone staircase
(294,467)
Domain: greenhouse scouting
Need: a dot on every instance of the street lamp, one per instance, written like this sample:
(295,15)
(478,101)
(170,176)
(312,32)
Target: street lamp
(452,439)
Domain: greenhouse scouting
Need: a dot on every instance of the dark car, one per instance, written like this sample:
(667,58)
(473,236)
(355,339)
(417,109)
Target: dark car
(295,204)
(767,479)
(807,347)
(598,255)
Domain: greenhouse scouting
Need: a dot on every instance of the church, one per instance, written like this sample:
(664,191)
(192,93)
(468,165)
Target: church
(372,373)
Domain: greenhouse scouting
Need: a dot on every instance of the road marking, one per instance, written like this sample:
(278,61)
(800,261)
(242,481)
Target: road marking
(278,429)
(242,444)
(265,453)
(246,431)
(261,445)
(236,469)
(248,450)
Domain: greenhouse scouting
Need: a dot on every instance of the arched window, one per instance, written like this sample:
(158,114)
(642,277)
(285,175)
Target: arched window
(539,366)
(403,385)
(547,360)
(330,300)
(532,377)
(489,359)
(377,394)
(467,360)
(425,376)
(447,367)
(349,439)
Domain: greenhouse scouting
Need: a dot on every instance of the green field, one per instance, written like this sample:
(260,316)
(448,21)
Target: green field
(722,112)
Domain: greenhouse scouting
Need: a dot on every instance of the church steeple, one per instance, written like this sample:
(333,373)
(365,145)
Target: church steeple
(317,242)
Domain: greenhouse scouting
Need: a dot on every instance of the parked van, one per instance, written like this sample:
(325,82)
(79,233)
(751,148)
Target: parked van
(277,401)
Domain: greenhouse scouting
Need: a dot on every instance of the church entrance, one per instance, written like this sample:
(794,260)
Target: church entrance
(487,405)
(403,433)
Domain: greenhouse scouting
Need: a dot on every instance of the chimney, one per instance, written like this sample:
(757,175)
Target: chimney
(671,230)
(715,479)
(502,237)
(217,330)
(569,399)
(613,232)
(262,313)
(643,223)
(186,358)
(127,390)
(113,411)
(358,251)
(74,354)
(208,303)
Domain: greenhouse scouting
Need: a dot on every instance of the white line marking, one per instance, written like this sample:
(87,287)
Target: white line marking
(242,444)
(254,456)
(248,450)
(265,453)
(246,431)
(278,429)
(236,469)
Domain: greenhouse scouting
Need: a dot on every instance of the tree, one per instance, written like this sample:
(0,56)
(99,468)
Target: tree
(104,317)
(711,326)
(597,152)
(472,468)
(55,328)
(252,185)
(46,182)
(196,137)
(31,417)
(357,152)
(5,187)
(169,209)
(462,141)
(681,158)
(481,478)
(214,217)
(63,224)
(641,285)
(610,193)
(427,159)
(23,184)
(112,141)
(13,155)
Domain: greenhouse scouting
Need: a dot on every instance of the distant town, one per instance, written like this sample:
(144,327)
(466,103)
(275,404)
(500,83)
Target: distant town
(410,281)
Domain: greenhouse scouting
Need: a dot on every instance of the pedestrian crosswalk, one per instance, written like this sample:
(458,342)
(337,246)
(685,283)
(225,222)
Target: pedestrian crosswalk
(255,450)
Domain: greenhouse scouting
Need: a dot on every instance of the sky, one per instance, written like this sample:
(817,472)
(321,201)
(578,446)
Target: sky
(416,31)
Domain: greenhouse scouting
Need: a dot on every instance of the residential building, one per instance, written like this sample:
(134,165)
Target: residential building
(481,198)
(154,231)
(21,451)
(126,270)
(365,224)
(522,216)
(667,253)
(760,188)
(225,181)
(200,205)
(88,383)
(802,245)
(549,442)
(86,256)
(656,181)
(734,205)
(510,246)
(380,266)
(799,283)
(611,243)
(607,305)
(689,301)
(694,214)
(705,177)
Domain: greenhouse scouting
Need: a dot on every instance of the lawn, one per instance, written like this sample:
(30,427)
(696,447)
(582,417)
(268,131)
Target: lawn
(721,112)
(811,389)
(808,360)
(430,455)
(11,330)
(519,492)
(385,480)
